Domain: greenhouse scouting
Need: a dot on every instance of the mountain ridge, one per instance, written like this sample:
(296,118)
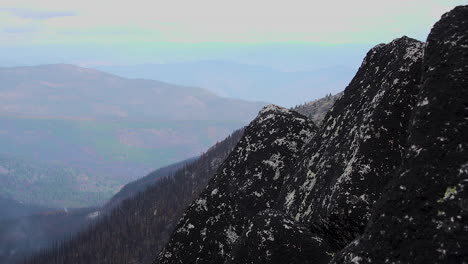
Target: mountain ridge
(248,82)
(342,145)
(247,183)
(109,129)
(407,105)
(31,87)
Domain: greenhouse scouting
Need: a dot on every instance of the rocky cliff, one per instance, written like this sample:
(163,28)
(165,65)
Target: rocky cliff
(247,183)
(423,215)
(384,178)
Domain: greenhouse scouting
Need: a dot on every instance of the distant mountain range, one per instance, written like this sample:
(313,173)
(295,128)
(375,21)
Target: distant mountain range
(68,91)
(250,82)
(92,132)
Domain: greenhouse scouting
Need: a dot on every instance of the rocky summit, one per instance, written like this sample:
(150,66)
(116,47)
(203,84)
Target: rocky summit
(423,216)
(247,183)
(383,179)
(359,146)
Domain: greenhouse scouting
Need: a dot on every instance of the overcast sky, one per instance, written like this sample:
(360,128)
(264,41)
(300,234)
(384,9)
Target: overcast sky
(152,25)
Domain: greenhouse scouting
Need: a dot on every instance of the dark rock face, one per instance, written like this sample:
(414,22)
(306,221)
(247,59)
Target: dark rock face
(383,180)
(247,183)
(345,167)
(423,216)
(359,146)
(273,237)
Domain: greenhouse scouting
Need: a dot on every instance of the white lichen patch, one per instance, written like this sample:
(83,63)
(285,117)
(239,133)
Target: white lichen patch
(201,204)
(289,199)
(309,182)
(276,163)
(231,235)
(414,52)
(423,102)
(415,150)
(450,193)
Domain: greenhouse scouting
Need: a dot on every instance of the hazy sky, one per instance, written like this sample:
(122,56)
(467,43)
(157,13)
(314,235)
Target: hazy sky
(181,30)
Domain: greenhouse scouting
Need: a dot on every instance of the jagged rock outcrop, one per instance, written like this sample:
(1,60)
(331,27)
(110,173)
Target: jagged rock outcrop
(423,216)
(247,183)
(383,180)
(274,238)
(360,144)
(346,166)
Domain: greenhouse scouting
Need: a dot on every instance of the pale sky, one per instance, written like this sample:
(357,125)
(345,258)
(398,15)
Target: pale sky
(142,24)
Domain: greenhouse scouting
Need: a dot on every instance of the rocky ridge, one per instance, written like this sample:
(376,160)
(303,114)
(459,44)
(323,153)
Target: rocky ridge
(382,180)
(360,144)
(423,215)
(247,183)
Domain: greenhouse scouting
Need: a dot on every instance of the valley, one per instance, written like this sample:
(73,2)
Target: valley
(95,133)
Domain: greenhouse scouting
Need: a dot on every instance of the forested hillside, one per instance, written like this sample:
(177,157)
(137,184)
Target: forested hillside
(21,237)
(142,224)
(12,209)
(51,185)
(100,131)
(140,185)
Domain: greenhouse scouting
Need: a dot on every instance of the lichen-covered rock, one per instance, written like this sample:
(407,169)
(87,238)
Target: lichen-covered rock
(247,183)
(423,216)
(360,144)
(275,238)
(383,180)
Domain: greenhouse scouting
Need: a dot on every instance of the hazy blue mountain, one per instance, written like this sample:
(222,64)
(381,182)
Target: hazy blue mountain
(283,56)
(94,132)
(250,82)
(62,90)
(123,150)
